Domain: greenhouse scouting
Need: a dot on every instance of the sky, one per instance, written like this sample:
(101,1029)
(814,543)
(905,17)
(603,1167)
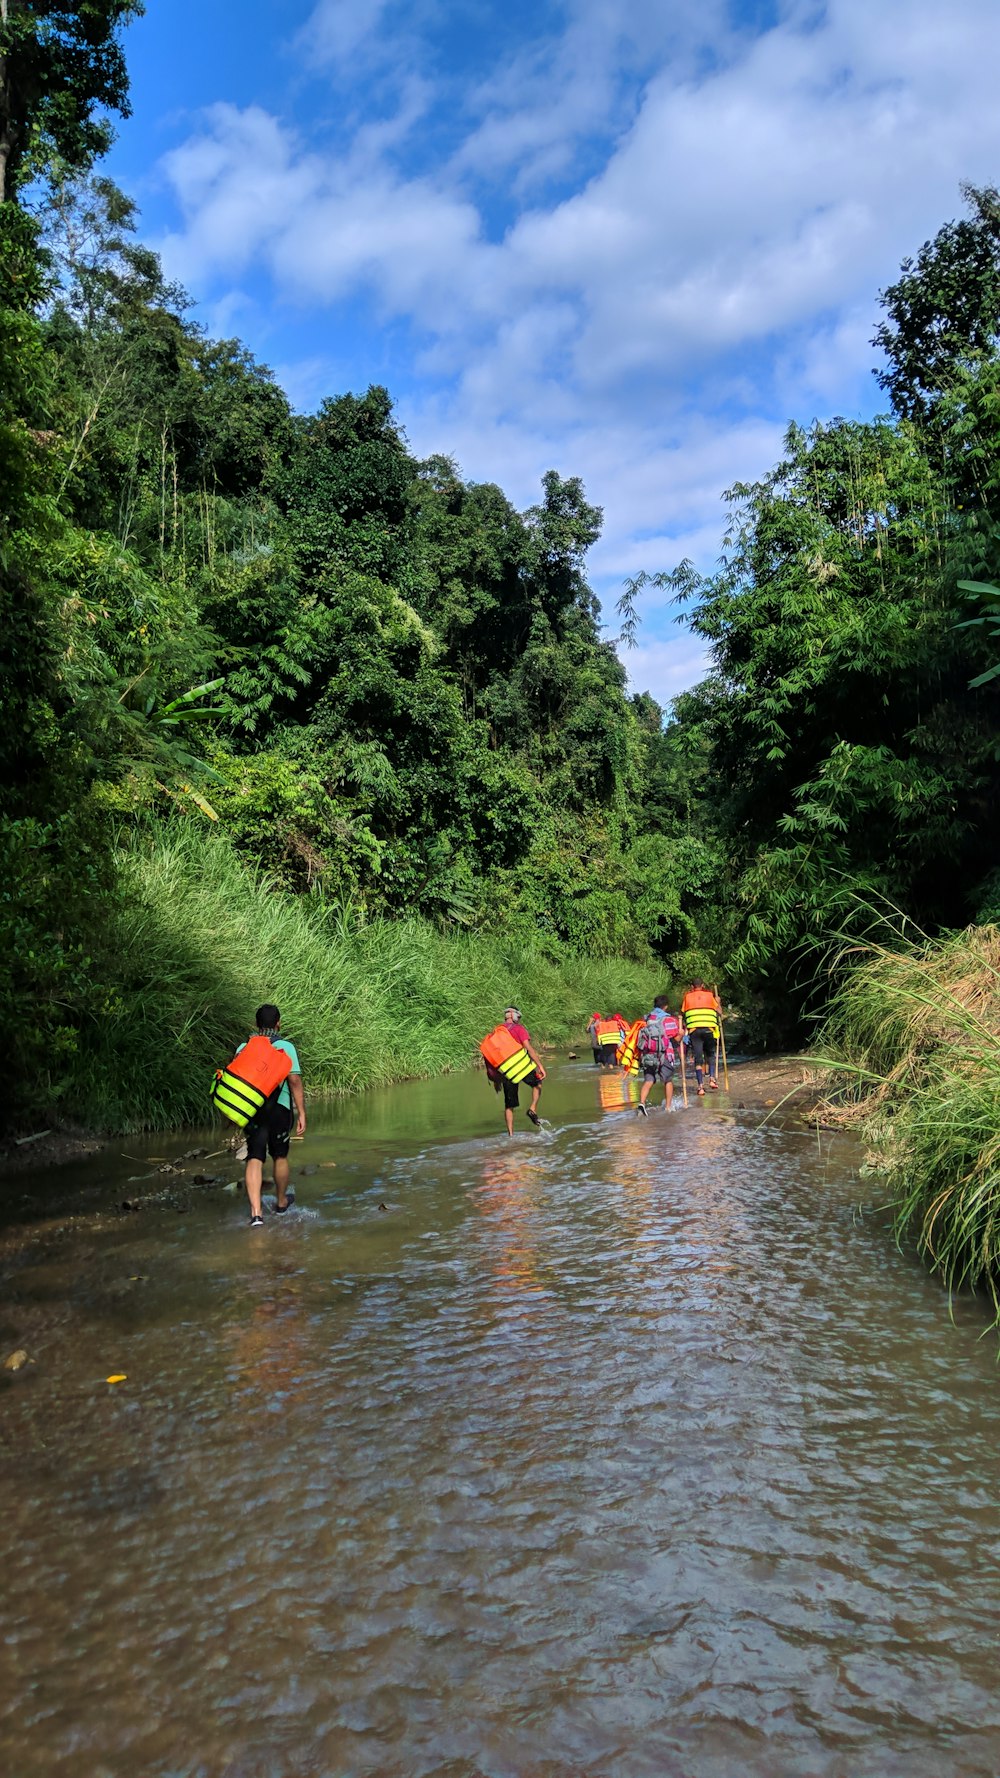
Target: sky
(629,240)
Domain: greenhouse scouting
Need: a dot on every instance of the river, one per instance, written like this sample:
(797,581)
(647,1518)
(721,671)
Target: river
(627,1449)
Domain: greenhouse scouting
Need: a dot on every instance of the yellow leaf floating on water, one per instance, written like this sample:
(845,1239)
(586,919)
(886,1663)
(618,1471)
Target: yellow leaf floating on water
(119,1377)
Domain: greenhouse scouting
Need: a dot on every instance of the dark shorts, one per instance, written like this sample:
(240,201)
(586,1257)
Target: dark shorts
(609,1054)
(658,1071)
(510,1098)
(269,1134)
(704,1044)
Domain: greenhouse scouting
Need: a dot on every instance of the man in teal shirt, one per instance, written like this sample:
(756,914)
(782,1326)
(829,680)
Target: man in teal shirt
(271,1131)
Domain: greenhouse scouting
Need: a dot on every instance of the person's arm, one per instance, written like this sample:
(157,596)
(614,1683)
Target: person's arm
(299,1101)
(534,1058)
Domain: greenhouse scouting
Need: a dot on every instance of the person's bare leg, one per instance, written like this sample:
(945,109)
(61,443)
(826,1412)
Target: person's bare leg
(668,1094)
(645,1090)
(508,1118)
(536,1093)
(254,1183)
(281,1180)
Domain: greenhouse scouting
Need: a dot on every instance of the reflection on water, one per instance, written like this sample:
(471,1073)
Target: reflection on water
(622,1449)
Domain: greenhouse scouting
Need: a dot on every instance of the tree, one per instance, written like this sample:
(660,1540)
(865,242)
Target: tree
(943,312)
(847,757)
(60,66)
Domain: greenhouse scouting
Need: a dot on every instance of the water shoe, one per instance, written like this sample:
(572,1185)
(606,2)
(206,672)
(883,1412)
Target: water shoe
(281,1208)
(536,1120)
(640,1111)
(256,1222)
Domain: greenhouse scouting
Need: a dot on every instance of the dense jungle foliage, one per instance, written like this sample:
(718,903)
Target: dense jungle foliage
(385,695)
(383,688)
(851,720)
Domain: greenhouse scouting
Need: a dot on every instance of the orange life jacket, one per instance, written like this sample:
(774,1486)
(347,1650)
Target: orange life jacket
(626,1055)
(506,1055)
(699,1010)
(242,1089)
(608,1031)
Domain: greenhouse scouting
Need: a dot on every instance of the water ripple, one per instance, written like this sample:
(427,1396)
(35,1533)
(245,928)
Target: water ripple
(625,1452)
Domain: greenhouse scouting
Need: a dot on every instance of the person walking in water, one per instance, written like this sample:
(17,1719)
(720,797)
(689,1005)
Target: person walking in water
(608,1034)
(270,1132)
(595,1044)
(657,1053)
(511,1063)
(700,1014)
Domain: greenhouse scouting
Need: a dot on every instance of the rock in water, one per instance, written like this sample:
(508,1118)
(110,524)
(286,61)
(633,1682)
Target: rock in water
(16,1360)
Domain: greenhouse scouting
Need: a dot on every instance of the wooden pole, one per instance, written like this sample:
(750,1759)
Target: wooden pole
(722,1041)
(684,1078)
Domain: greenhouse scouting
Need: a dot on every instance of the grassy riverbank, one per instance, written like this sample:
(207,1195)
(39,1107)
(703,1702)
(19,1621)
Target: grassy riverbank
(917,1033)
(199,941)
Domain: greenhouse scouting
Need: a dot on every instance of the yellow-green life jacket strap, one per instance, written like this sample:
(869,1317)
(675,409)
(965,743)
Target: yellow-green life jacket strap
(517,1067)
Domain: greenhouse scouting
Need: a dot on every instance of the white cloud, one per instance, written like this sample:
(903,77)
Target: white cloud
(337,30)
(534,109)
(306,381)
(713,271)
(667,667)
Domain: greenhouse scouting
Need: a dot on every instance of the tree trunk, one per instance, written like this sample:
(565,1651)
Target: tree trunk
(6,131)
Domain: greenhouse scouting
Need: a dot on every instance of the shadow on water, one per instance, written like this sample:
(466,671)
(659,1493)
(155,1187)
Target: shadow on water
(622,1448)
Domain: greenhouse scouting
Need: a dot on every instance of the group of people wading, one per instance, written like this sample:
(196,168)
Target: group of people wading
(653,1046)
(260,1090)
(664,1041)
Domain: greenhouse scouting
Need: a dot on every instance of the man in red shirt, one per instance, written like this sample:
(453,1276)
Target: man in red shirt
(512,1020)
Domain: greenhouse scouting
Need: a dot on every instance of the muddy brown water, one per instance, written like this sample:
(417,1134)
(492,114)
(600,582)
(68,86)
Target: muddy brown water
(624,1449)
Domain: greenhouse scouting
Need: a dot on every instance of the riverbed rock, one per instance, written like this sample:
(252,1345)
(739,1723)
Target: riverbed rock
(306,1172)
(16,1360)
(207,1179)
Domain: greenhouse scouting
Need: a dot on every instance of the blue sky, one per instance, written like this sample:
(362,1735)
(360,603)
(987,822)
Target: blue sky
(628,242)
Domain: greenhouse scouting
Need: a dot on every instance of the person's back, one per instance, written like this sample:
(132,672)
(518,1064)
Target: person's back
(700,1013)
(608,1038)
(700,1008)
(657,1057)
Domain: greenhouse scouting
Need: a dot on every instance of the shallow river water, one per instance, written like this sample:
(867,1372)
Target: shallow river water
(622,1449)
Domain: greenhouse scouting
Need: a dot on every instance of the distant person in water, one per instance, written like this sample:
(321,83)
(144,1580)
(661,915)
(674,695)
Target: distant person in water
(513,1039)
(607,1034)
(655,1047)
(270,1132)
(701,1012)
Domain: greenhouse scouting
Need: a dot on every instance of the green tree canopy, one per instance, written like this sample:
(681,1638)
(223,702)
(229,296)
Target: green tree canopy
(61,68)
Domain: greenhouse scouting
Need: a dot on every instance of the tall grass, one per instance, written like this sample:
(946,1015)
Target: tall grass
(201,941)
(916,1032)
